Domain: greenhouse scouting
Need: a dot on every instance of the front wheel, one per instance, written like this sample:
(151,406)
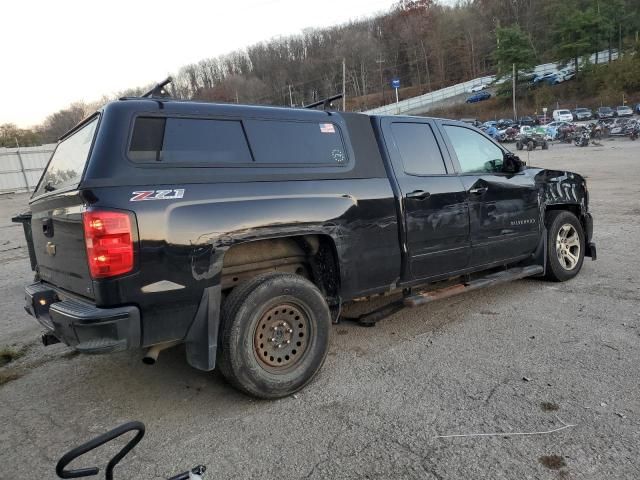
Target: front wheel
(275,335)
(565,246)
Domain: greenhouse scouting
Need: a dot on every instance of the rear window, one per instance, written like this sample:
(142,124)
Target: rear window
(296,143)
(67,163)
(223,142)
(188,141)
(418,149)
(564,112)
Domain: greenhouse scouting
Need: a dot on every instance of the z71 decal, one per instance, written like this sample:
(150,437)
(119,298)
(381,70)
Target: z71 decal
(157,195)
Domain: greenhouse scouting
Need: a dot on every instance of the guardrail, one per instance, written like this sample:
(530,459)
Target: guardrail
(21,168)
(422,103)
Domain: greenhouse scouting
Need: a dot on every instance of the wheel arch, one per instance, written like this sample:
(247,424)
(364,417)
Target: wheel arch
(312,255)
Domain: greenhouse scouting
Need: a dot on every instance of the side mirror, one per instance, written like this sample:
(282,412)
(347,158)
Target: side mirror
(512,163)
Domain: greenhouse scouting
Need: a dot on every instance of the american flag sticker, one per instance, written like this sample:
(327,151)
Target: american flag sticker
(327,128)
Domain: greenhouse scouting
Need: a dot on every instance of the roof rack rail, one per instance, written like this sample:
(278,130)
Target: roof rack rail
(158,89)
(326,103)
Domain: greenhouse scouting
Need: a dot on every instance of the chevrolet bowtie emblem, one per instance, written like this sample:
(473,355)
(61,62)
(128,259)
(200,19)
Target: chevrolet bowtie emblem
(51,249)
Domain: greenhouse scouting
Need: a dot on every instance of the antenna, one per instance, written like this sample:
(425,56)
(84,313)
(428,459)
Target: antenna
(158,89)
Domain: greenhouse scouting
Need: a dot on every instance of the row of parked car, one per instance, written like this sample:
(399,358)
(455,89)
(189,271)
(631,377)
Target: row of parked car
(480,94)
(580,114)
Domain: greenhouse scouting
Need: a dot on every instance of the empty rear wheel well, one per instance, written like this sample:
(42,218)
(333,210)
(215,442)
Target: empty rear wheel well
(311,256)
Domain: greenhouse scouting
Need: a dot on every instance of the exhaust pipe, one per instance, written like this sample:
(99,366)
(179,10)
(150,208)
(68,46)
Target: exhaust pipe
(151,356)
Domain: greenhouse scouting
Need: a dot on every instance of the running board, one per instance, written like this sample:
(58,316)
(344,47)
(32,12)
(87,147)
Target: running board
(487,281)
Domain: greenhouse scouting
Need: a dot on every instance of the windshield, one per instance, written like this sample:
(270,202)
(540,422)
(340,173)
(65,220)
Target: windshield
(67,164)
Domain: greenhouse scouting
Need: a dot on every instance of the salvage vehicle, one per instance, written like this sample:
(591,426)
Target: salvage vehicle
(478,97)
(582,114)
(242,231)
(532,138)
(604,112)
(623,111)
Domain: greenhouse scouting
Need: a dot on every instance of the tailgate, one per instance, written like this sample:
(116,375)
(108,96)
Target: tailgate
(58,243)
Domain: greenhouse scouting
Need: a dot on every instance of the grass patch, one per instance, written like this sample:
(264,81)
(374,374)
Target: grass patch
(10,354)
(7,376)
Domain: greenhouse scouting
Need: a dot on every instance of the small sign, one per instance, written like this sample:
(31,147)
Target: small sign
(327,128)
(395,83)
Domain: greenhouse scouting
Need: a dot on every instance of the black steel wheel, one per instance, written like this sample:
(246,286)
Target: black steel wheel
(275,334)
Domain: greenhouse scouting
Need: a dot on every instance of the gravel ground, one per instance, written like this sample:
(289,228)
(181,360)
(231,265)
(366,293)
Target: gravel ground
(529,356)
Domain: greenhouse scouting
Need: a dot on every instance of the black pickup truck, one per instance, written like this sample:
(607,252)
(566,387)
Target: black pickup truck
(242,231)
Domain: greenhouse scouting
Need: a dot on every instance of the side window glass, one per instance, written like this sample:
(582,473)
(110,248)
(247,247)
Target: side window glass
(475,153)
(418,149)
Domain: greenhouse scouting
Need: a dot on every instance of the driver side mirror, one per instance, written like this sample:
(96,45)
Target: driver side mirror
(512,163)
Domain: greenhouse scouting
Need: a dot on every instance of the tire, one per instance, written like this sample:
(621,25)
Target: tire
(530,145)
(519,145)
(288,307)
(545,145)
(559,267)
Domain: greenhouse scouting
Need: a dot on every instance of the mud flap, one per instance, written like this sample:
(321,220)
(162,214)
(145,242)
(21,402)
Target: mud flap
(540,255)
(201,341)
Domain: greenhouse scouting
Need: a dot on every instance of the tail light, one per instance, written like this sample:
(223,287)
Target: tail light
(109,240)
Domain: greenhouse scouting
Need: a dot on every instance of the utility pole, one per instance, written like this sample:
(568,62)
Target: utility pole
(379,61)
(344,85)
(290,97)
(513,88)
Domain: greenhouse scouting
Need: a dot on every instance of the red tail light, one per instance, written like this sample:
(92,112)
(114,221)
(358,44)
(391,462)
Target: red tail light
(108,237)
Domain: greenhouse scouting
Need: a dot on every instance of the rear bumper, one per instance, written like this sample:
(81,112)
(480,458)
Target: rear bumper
(82,325)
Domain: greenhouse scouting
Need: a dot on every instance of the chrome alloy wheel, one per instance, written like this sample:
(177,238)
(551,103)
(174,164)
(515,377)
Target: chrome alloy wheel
(568,246)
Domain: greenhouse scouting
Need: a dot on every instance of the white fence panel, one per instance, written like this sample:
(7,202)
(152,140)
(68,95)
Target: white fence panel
(21,168)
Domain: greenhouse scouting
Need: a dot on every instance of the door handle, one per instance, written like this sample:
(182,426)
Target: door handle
(418,195)
(478,190)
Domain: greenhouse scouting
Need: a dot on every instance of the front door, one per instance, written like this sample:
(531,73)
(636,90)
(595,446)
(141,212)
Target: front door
(503,207)
(433,199)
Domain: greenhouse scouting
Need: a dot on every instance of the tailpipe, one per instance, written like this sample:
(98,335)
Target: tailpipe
(152,354)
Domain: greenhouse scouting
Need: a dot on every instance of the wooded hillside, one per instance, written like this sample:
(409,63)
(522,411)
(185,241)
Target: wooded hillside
(424,43)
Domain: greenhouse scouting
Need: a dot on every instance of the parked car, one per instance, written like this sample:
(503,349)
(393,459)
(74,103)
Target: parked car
(504,123)
(567,73)
(478,97)
(562,116)
(543,119)
(623,111)
(242,231)
(478,88)
(605,112)
(549,78)
(528,121)
(580,114)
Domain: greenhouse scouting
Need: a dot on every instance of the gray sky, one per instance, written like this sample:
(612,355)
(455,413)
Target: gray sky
(58,52)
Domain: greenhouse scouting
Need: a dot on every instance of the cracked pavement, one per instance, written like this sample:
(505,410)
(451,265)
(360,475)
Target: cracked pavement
(457,366)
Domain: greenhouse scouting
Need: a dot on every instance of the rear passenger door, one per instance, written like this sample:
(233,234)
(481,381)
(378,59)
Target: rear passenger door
(503,207)
(432,197)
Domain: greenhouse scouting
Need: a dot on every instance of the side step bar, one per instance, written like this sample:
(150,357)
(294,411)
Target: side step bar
(487,281)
